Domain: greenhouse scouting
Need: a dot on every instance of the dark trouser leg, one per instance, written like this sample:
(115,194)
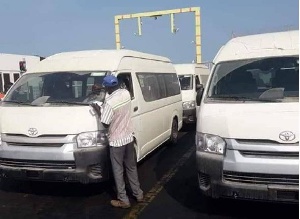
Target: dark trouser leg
(117,158)
(131,170)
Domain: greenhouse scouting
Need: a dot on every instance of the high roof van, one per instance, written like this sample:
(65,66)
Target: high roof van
(247,141)
(50,132)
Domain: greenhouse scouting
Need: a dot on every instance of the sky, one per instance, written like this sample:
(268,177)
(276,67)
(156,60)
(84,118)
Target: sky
(46,27)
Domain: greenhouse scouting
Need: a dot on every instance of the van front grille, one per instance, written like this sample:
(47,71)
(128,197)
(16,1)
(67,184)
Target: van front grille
(35,144)
(38,164)
(259,178)
(271,154)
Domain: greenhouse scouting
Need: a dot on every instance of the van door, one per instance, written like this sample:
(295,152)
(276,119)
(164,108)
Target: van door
(125,81)
(197,83)
(152,114)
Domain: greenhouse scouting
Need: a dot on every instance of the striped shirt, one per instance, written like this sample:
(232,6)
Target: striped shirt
(116,114)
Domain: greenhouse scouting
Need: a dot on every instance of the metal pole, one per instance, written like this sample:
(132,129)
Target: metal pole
(198,35)
(117,33)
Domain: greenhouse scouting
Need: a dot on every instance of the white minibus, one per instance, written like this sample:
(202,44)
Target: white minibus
(50,132)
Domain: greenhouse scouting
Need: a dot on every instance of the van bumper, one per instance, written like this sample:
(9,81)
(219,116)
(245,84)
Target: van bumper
(189,116)
(213,183)
(91,165)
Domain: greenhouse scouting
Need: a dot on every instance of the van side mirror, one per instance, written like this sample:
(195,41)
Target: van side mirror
(199,87)
(199,96)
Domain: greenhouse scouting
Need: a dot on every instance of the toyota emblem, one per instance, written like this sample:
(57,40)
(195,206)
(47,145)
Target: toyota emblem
(32,132)
(287,136)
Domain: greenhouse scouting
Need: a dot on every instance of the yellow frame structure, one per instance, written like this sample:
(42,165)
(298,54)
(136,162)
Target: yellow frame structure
(156,14)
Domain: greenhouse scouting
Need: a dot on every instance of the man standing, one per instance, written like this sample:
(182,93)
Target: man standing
(116,116)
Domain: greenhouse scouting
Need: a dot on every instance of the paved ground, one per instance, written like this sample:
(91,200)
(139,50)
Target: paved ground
(168,178)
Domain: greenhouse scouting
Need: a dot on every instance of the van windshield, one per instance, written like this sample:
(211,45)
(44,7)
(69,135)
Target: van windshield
(186,82)
(268,79)
(58,88)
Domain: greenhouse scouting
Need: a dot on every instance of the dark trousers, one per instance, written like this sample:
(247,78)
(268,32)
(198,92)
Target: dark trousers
(121,157)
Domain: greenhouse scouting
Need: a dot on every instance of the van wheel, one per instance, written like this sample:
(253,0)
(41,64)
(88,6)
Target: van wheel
(174,132)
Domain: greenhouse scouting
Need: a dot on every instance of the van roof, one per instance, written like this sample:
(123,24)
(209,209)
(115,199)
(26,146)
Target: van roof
(91,60)
(260,45)
(183,69)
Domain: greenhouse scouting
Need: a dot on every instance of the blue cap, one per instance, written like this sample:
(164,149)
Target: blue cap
(110,81)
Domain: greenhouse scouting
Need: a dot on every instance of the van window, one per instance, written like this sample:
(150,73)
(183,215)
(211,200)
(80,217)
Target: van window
(257,79)
(6,78)
(125,82)
(63,87)
(186,82)
(149,85)
(162,85)
(172,84)
(204,79)
(77,89)
(16,76)
(155,86)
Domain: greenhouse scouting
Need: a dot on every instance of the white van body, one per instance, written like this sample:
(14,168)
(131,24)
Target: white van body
(10,69)
(43,137)
(191,76)
(247,142)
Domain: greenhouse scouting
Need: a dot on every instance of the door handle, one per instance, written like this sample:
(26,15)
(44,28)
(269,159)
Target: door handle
(135,109)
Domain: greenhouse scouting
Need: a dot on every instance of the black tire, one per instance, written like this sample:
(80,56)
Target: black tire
(174,132)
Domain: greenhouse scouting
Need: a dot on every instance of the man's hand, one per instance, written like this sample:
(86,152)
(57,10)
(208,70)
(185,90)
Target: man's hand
(97,107)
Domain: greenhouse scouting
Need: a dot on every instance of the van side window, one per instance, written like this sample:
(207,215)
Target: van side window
(125,82)
(16,76)
(149,85)
(162,85)
(172,84)
(6,78)
(156,86)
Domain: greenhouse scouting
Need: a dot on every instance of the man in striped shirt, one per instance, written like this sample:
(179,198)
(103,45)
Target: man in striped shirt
(117,117)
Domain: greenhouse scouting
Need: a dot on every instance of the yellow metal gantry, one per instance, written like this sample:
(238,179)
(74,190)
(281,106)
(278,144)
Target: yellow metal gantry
(156,14)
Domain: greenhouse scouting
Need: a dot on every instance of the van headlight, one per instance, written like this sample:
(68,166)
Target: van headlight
(189,105)
(92,139)
(210,143)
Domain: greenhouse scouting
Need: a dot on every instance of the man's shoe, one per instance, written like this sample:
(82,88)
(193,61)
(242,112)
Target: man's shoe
(139,200)
(119,204)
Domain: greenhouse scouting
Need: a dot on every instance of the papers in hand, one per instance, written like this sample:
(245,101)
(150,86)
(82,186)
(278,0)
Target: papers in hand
(97,106)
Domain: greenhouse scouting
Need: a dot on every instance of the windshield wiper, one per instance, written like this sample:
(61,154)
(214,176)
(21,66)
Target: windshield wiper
(67,102)
(18,102)
(241,98)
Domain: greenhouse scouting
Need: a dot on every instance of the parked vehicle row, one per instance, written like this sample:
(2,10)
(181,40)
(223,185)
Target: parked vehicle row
(246,109)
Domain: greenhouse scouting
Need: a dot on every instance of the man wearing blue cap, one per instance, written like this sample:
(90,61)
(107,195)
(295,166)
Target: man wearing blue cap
(117,117)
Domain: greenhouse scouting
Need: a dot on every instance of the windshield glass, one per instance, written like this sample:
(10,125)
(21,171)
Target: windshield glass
(274,78)
(58,87)
(186,82)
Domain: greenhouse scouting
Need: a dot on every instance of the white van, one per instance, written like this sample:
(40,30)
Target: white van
(192,77)
(10,68)
(247,141)
(49,131)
